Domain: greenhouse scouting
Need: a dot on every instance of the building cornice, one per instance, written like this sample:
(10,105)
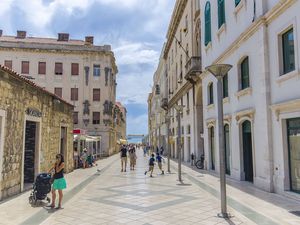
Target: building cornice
(175,20)
(64,51)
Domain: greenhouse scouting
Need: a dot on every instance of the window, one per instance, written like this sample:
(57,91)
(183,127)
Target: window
(188,129)
(58,92)
(210,94)
(225,86)
(188,100)
(58,68)
(75,69)
(212,147)
(25,67)
(245,74)
(96,117)
(96,95)
(75,117)
(42,68)
(186,24)
(288,50)
(182,130)
(207,23)
(8,64)
(221,12)
(96,70)
(74,94)
(237,2)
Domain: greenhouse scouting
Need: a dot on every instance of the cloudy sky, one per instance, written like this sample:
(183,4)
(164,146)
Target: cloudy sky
(136,29)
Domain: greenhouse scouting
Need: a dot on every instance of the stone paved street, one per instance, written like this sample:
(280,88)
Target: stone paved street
(112,197)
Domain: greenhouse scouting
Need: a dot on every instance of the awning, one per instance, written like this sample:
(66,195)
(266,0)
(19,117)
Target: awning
(92,139)
(122,142)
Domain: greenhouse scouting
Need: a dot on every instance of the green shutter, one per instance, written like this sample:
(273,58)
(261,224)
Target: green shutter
(237,2)
(207,24)
(288,51)
(225,86)
(245,74)
(221,13)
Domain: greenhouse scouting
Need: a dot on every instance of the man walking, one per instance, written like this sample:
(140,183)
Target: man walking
(123,153)
(159,162)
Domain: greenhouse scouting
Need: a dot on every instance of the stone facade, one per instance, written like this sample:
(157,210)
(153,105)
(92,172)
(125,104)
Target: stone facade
(87,69)
(22,101)
(120,115)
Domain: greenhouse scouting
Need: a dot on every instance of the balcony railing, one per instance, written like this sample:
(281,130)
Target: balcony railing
(193,69)
(164,103)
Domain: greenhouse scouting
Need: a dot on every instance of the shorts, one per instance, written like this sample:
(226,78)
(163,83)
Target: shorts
(159,165)
(124,159)
(151,168)
(59,184)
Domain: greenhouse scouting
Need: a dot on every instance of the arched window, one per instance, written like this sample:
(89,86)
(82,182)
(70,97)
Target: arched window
(210,94)
(221,12)
(207,23)
(237,2)
(244,76)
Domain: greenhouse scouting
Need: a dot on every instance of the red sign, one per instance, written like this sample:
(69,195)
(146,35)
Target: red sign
(79,131)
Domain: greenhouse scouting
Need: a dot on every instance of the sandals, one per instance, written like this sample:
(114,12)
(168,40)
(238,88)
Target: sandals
(58,207)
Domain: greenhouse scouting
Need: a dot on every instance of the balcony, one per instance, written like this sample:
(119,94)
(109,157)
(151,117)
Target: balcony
(193,69)
(164,103)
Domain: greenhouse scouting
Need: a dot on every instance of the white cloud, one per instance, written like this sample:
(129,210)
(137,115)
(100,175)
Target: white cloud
(134,88)
(136,53)
(138,125)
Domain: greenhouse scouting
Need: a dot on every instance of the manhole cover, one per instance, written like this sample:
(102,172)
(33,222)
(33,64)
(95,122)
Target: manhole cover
(296,213)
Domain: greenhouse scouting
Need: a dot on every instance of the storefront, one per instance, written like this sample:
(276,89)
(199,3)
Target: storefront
(293,133)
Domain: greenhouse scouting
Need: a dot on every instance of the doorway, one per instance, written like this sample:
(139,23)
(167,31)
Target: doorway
(212,147)
(31,155)
(63,141)
(293,131)
(227,148)
(247,151)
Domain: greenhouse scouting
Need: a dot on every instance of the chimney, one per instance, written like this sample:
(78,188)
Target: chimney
(1,31)
(89,40)
(21,34)
(63,37)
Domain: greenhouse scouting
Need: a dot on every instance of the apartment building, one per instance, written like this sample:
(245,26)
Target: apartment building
(78,71)
(261,92)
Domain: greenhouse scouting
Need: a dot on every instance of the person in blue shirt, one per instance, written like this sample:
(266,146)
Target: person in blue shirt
(159,162)
(151,165)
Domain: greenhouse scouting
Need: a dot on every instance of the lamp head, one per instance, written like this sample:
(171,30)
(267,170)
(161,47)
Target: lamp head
(219,70)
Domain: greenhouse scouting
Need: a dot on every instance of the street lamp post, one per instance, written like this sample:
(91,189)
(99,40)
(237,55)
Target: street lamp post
(219,71)
(179,110)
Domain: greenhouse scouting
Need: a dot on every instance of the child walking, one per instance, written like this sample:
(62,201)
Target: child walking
(159,162)
(151,165)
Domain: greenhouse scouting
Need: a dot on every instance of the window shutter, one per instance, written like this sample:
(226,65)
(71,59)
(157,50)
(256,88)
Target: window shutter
(221,13)
(96,117)
(8,64)
(288,51)
(75,69)
(74,94)
(58,92)
(58,68)
(245,73)
(75,117)
(42,68)
(96,94)
(207,23)
(25,67)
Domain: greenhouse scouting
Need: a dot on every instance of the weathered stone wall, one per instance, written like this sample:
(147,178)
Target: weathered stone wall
(15,97)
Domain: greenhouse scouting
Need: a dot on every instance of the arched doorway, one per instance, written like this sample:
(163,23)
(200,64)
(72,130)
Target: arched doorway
(247,150)
(212,147)
(227,148)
